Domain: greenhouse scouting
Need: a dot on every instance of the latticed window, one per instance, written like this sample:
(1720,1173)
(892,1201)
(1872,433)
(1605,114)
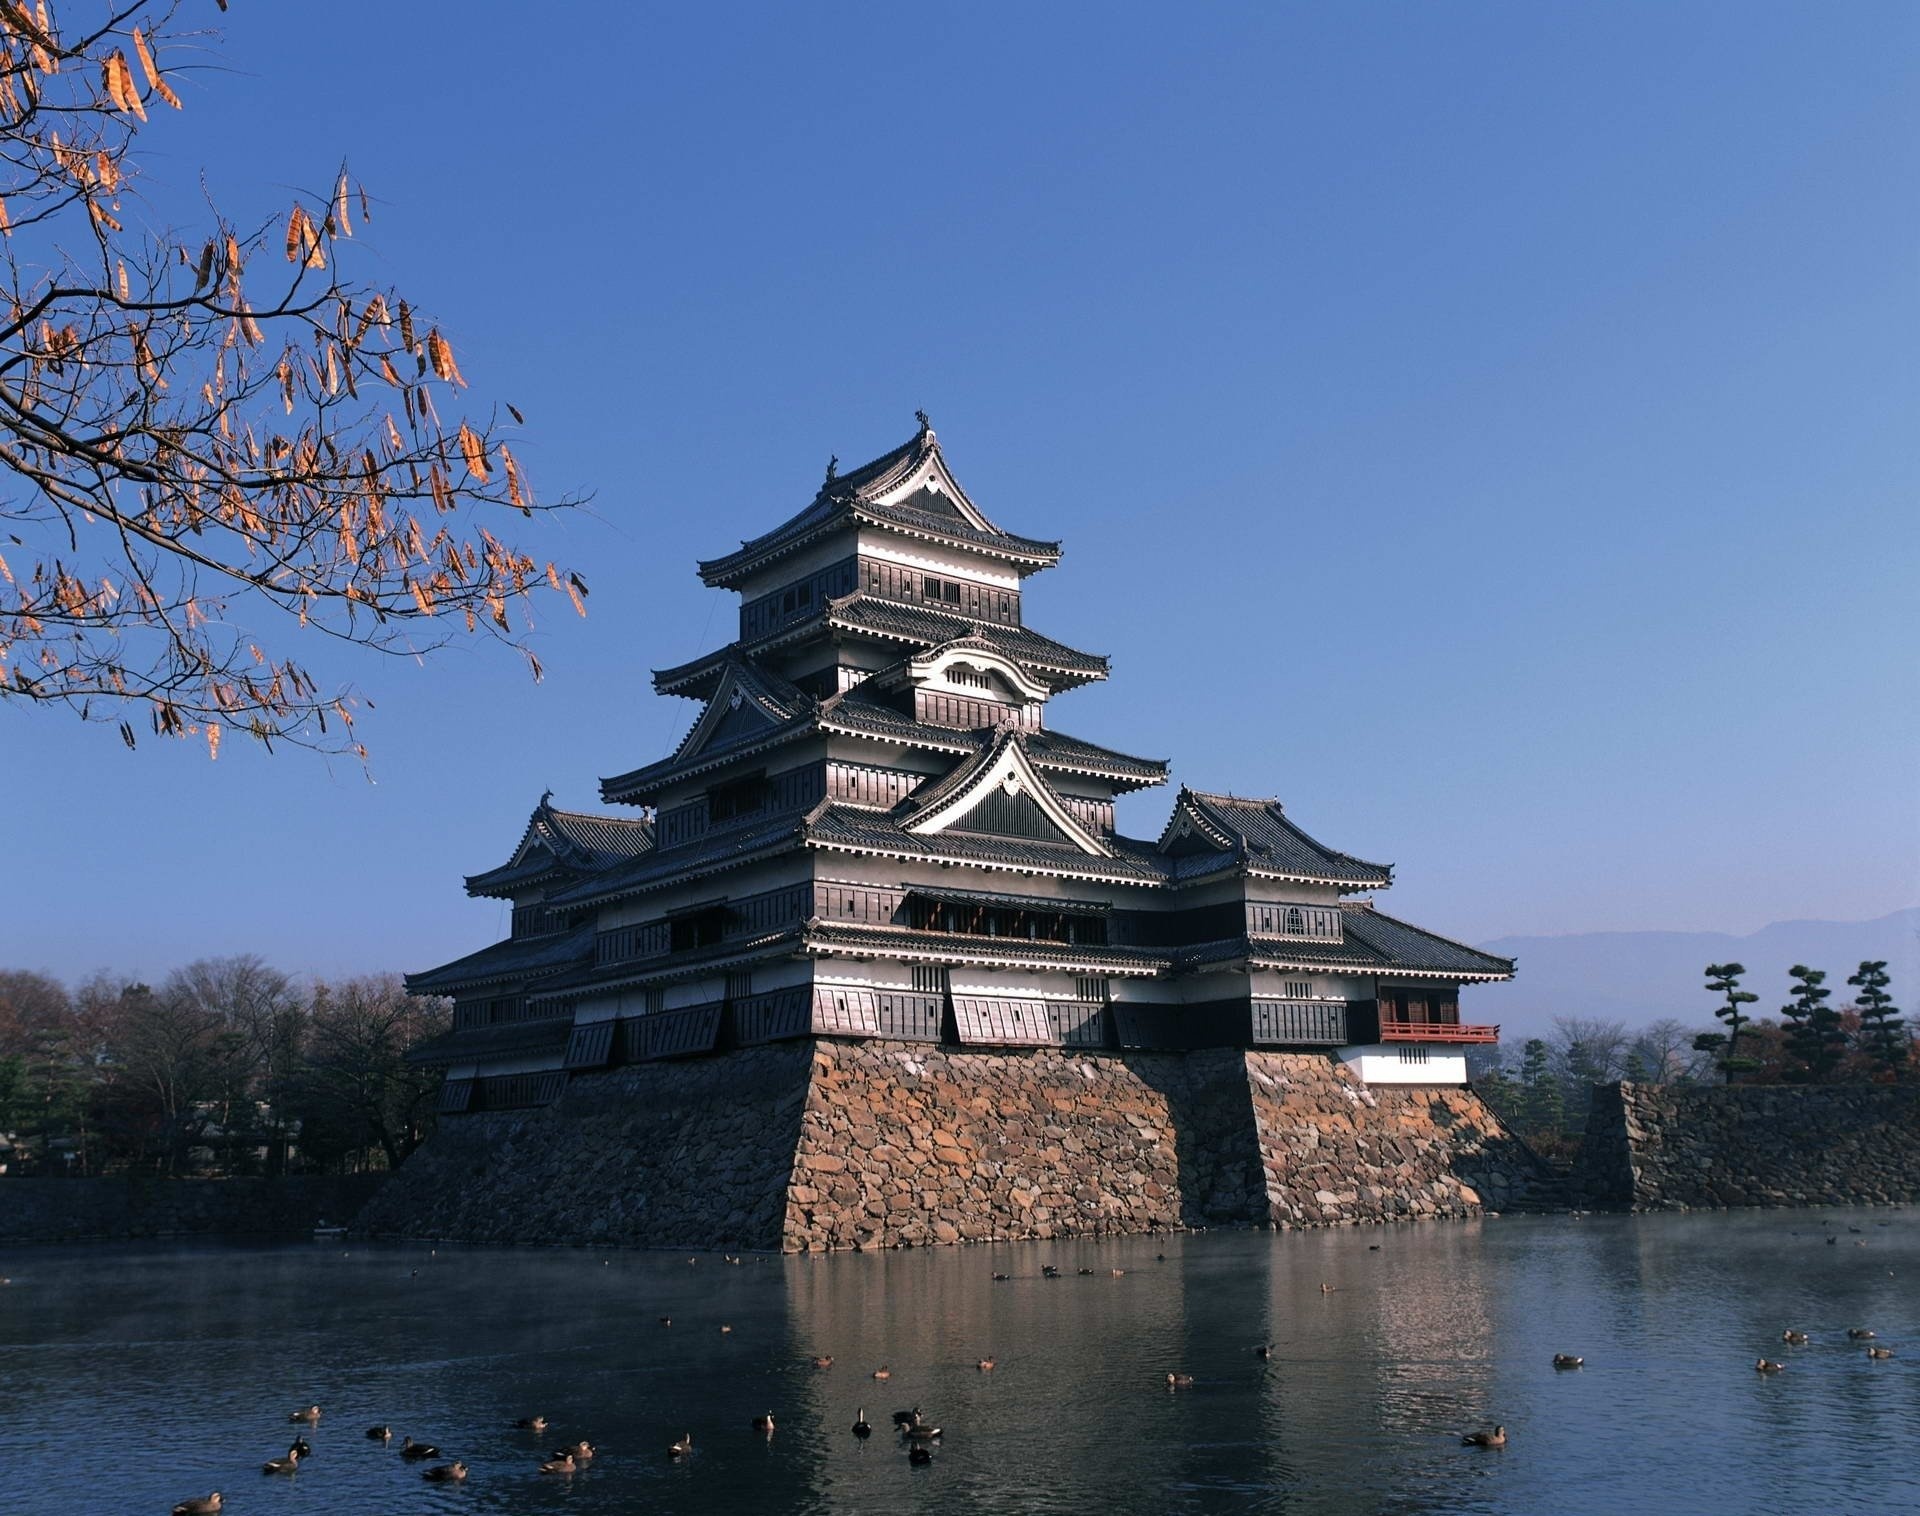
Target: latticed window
(739,984)
(930,979)
(1296,919)
(1094,990)
(1299,989)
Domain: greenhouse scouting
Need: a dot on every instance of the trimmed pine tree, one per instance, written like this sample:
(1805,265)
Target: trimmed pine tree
(1883,1034)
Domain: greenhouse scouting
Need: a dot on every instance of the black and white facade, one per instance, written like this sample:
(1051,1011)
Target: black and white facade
(872,829)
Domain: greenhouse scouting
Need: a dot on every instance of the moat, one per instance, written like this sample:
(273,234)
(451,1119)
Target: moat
(132,1377)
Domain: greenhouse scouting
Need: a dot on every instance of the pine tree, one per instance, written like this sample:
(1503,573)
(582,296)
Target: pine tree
(1883,1036)
(1724,979)
(1544,1106)
(1814,1035)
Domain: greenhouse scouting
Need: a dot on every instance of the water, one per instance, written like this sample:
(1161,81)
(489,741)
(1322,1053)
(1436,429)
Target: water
(131,1377)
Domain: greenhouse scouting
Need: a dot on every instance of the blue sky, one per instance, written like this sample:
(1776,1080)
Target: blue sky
(1489,428)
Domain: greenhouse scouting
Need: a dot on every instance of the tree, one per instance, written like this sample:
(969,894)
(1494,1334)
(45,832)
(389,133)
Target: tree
(1545,1109)
(1665,1049)
(1814,1033)
(1883,1037)
(1724,979)
(356,1089)
(209,459)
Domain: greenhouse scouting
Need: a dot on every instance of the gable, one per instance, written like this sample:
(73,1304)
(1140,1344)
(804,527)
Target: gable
(732,716)
(1002,794)
(1009,813)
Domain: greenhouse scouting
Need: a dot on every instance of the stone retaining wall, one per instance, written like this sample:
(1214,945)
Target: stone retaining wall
(1666,1147)
(810,1146)
(120,1210)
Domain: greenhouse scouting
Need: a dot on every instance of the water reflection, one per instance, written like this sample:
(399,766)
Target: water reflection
(192,1358)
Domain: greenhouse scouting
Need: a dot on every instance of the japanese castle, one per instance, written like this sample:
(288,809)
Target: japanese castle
(874,830)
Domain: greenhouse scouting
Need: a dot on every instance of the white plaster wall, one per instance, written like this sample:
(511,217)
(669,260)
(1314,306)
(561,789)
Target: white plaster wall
(1378,1063)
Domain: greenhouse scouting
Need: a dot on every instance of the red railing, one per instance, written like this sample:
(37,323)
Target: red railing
(1436,1031)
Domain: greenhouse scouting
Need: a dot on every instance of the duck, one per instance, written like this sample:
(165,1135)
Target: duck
(303,1447)
(883,1372)
(1327,1289)
(919,1453)
(906,1418)
(1088,1273)
(860,1427)
(446,1473)
(1797,1339)
(824,1361)
(1497,1438)
(1567,1360)
(581,1451)
(763,1422)
(1118,1273)
(681,1448)
(1873,1352)
(1179,1381)
(1860,1334)
(1263,1350)
(416,1451)
(531,1424)
(200,1505)
(310,1414)
(999,1278)
(564,1464)
(1048,1271)
(1767,1366)
(285,1465)
(666,1321)
(987,1365)
(724,1328)
(920,1432)
(380,1434)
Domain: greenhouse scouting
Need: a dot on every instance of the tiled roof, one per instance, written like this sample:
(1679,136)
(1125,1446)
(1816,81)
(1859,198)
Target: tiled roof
(907,942)
(854,830)
(483,1042)
(917,625)
(571,842)
(857,496)
(516,958)
(708,854)
(1259,834)
(1406,945)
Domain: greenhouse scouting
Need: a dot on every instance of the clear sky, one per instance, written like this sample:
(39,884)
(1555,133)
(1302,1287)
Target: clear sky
(1489,428)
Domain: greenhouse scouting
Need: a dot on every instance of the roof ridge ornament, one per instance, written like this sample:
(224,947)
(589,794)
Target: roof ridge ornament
(833,469)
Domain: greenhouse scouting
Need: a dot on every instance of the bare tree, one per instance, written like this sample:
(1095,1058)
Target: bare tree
(1589,1049)
(356,1083)
(200,457)
(1666,1051)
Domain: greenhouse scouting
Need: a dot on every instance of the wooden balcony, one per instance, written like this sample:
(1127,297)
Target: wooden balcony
(1436,1031)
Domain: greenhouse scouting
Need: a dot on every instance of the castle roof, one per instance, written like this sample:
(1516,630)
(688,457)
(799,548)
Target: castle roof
(559,843)
(1206,833)
(910,491)
(518,958)
(1371,942)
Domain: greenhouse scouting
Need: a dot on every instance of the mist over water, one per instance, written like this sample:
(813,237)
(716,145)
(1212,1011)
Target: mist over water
(132,1377)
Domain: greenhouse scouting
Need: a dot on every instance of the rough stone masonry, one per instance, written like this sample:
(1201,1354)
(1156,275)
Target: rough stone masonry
(817,1145)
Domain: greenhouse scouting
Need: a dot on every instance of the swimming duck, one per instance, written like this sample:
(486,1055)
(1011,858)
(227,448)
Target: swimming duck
(310,1414)
(1048,1271)
(681,1448)
(920,1432)
(531,1424)
(1179,1381)
(282,1465)
(883,1372)
(380,1434)
(303,1447)
(824,1361)
(561,1465)
(1767,1366)
(1087,1272)
(446,1473)
(1879,1352)
(581,1451)
(986,1365)
(1118,1273)
(1798,1339)
(1327,1289)
(919,1453)
(906,1418)
(666,1321)
(1263,1350)
(415,1451)
(725,1328)
(1860,1334)
(1497,1438)
(203,1505)
(999,1276)
(860,1427)
(763,1422)
(1567,1361)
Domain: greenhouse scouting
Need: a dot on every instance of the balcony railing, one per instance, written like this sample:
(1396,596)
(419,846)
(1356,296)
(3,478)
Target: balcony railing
(1436,1031)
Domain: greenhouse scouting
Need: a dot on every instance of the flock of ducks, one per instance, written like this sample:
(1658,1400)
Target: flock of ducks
(1793,1339)
(563,1461)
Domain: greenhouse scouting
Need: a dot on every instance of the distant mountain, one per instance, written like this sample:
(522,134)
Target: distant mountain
(1637,977)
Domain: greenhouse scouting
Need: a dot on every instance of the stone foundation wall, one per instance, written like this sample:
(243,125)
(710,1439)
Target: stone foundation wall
(811,1146)
(123,1210)
(1663,1147)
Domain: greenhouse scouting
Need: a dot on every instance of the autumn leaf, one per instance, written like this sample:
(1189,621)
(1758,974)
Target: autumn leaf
(474,450)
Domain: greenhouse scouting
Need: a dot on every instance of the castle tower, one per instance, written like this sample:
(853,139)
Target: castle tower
(873,829)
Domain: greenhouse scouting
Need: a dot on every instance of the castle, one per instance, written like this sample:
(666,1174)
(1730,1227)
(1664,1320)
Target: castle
(872,832)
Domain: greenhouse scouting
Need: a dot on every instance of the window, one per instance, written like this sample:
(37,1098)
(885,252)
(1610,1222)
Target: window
(655,1000)
(1299,989)
(1412,1054)
(929,979)
(1091,990)
(1296,919)
(739,984)
(940,591)
(698,929)
(739,797)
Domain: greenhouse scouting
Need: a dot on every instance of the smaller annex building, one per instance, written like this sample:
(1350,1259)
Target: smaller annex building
(873,830)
